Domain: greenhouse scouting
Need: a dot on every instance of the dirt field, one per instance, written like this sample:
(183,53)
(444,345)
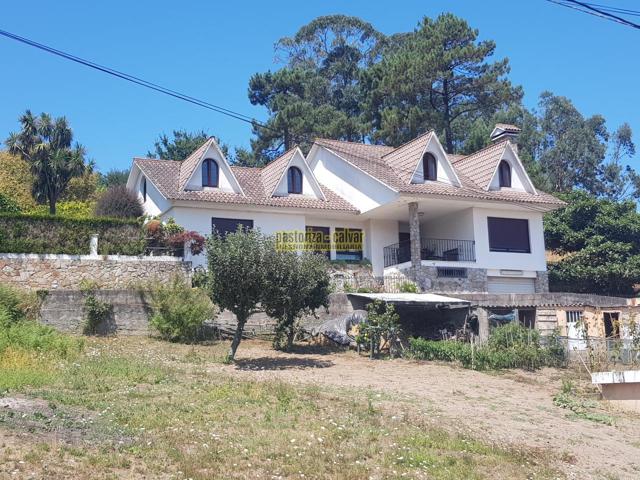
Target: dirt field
(140,408)
(513,408)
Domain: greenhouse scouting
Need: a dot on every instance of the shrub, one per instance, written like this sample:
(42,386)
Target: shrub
(31,336)
(8,205)
(119,202)
(16,304)
(97,311)
(408,287)
(381,328)
(69,209)
(509,346)
(179,311)
(191,240)
(53,234)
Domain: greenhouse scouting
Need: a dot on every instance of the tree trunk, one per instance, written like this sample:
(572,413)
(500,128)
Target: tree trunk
(287,140)
(448,135)
(52,206)
(237,336)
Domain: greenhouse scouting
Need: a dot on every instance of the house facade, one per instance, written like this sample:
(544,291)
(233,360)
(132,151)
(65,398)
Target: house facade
(450,222)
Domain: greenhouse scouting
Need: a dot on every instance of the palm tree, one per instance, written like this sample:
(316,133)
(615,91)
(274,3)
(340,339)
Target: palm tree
(45,144)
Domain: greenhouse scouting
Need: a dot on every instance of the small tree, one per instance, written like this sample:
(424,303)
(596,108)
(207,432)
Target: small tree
(381,328)
(118,201)
(46,145)
(237,275)
(296,285)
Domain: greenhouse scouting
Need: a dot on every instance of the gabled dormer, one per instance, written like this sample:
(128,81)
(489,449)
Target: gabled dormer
(290,174)
(208,169)
(509,173)
(422,160)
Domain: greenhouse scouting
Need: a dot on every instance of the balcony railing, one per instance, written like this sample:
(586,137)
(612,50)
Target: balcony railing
(447,250)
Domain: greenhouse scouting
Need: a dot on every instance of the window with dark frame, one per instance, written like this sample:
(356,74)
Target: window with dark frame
(294,180)
(209,173)
(319,240)
(224,226)
(349,236)
(430,167)
(144,189)
(509,235)
(504,173)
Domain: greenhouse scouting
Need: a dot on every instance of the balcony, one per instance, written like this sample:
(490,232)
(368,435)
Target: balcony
(437,249)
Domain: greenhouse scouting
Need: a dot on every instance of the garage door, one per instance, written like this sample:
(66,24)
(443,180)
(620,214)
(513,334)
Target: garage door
(511,285)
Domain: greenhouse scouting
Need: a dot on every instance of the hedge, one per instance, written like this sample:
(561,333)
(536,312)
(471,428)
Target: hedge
(64,235)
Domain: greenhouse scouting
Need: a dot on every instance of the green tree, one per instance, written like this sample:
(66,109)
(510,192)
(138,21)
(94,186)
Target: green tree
(238,275)
(439,77)
(297,285)
(16,180)
(179,147)
(46,145)
(113,177)
(599,242)
(318,91)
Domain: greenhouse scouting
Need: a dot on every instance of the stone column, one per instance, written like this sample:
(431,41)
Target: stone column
(414,234)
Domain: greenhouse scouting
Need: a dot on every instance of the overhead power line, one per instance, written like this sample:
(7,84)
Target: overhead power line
(137,80)
(600,11)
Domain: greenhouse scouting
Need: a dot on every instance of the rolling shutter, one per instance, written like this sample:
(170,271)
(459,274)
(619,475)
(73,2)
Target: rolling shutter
(511,285)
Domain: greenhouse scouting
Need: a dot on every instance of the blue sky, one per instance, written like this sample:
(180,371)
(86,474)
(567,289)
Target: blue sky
(210,49)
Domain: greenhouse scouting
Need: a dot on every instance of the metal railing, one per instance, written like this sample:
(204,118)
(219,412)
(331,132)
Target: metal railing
(443,249)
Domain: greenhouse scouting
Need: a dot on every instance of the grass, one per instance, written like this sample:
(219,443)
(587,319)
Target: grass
(152,409)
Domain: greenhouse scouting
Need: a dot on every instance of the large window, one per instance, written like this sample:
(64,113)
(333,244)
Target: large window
(349,243)
(430,167)
(223,226)
(318,240)
(294,180)
(504,173)
(209,173)
(509,235)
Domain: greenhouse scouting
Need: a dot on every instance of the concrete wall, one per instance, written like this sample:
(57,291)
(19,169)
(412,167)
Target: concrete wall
(65,272)
(64,310)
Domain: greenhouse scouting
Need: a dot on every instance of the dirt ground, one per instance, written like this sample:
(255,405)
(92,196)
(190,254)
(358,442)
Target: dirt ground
(512,408)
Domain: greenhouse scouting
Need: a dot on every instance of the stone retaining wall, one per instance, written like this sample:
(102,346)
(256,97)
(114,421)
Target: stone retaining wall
(65,311)
(66,272)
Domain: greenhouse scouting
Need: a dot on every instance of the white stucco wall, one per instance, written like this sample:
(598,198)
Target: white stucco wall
(309,187)
(444,170)
(361,190)
(534,261)
(518,175)
(381,233)
(455,226)
(225,179)
(155,203)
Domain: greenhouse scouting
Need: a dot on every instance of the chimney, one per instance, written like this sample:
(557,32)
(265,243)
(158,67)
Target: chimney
(505,131)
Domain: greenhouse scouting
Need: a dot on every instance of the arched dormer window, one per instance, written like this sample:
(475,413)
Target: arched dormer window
(209,173)
(143,188)
(504,172)
(294,180)
(430,167)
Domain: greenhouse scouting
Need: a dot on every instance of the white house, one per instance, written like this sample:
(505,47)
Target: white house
(436,217)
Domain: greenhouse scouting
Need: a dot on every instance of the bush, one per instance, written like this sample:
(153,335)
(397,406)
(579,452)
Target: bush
(119,202)
(179,311)
(8,205)
(53,234)
(509,346)
(16,304)
(69,209)
(381,329)
(408,287)
(31,336)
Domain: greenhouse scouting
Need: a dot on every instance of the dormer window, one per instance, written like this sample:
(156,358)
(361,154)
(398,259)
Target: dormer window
(430,167)
(294,180)
(504,172)
(209,173)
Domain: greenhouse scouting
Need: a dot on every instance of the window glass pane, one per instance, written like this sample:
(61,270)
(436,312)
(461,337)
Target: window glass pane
(348,244)
(223,226)
(318,240)
(509,235)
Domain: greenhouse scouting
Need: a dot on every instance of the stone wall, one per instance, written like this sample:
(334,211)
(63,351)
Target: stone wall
(428,280)
(65,311)
(66,272)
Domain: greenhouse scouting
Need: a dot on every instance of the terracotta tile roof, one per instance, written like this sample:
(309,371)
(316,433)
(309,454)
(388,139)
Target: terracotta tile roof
(472,170)
(272,172)
(405,158)
(481,165)
(165,174)
(507,127)
(189,164)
